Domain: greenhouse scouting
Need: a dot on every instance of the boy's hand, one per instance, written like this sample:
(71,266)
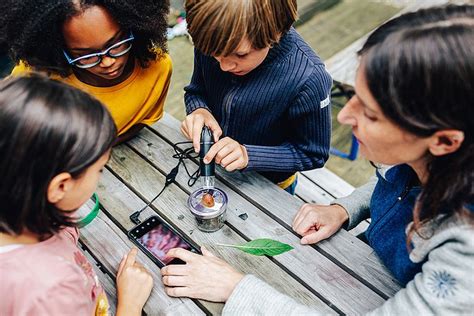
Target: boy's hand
(134,285)
(192,126)
(229,154)
(317,222)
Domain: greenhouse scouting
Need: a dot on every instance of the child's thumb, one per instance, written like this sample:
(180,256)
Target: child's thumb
(217,134)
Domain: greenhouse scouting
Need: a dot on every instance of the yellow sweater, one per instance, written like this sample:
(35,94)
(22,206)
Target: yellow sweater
(138,99)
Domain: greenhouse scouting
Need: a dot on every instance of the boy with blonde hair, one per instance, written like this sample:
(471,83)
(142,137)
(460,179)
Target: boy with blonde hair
(257,83)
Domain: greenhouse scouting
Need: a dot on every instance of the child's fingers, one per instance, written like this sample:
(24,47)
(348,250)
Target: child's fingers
(122,264)
(217,134)
(214,150)
(225,151)
(230,158)
(236,165)
(215,128)
(131,257)
(184,130)
(137,264)
(188,124)
(196,129)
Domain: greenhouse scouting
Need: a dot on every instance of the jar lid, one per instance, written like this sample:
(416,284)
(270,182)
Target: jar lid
(213,205)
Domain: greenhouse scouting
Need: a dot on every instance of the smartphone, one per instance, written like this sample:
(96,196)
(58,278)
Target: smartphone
(155,238)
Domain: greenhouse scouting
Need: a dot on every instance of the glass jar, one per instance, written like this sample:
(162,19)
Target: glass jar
(208,206)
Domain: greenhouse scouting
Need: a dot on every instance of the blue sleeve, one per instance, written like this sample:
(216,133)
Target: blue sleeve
(195,94)
(310,126)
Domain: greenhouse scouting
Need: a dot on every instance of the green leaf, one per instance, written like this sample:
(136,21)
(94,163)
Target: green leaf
(262,247)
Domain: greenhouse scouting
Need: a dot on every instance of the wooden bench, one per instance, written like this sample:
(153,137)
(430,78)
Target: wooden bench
(308,8)
(343,65)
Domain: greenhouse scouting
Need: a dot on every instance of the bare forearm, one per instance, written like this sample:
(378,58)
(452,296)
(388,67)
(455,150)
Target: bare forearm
(123,310)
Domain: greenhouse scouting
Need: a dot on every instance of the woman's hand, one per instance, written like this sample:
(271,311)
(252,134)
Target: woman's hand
(134,285)
(229,154)
(192,126)
(204,277)
(317,222)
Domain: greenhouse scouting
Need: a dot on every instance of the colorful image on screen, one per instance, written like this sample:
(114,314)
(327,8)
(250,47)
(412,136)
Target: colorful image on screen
(159,240)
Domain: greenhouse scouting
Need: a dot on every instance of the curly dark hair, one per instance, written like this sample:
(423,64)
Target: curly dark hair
(31,30)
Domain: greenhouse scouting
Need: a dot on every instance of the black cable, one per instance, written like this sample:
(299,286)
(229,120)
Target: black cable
(181,155)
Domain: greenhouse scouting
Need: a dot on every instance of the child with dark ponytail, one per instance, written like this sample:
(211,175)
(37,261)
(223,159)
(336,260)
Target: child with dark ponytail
(54,142)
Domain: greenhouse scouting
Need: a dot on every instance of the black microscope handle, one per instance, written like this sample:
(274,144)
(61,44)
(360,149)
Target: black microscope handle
(207,140)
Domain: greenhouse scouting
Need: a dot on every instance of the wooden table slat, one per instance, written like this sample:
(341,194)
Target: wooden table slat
(329,182)
(172,206)
(340,247)
(309,192)
(109,244)
(107,283)
(339,287)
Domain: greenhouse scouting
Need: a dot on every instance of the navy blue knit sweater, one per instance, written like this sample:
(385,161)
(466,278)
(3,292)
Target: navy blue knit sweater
(280,111)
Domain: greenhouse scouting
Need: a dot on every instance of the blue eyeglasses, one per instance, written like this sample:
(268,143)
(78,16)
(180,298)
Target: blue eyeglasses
(91,60)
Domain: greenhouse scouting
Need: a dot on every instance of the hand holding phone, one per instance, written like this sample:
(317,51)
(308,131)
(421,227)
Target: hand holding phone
(156,238)
(134,285)
(207,277)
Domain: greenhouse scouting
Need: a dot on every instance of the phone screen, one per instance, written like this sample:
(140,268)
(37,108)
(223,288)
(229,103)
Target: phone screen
(160,239)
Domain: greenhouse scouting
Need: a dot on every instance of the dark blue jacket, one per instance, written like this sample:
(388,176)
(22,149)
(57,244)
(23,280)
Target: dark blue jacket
(391,210)
(280,111)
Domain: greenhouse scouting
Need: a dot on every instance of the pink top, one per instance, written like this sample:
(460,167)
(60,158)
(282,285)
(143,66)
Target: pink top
(50,278)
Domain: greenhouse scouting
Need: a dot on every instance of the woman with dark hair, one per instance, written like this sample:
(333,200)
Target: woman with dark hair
(114,50)
(412,110)
(54,141)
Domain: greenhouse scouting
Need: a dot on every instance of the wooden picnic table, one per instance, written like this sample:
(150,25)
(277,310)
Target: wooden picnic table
(339,275)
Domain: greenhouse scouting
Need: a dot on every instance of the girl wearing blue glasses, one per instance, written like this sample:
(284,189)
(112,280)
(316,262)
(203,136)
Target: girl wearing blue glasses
(115,51)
